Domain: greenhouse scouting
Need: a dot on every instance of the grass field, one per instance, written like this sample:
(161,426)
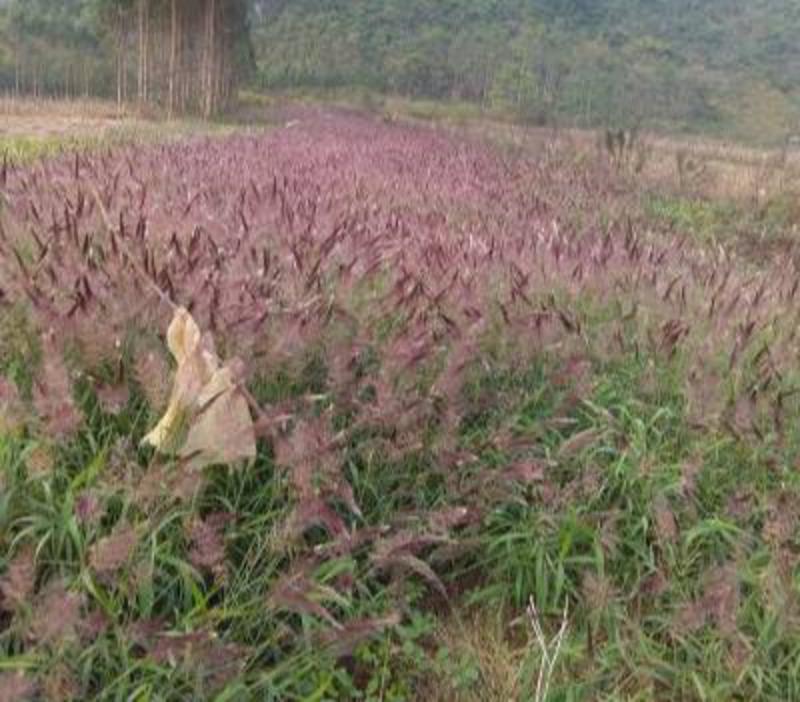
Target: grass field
(32,129)
(481,368)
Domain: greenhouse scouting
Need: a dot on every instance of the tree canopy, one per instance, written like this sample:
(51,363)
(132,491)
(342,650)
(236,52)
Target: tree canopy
(729,66)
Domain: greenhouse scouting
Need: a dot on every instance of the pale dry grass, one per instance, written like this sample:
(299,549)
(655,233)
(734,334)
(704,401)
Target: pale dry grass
(717,170)
(88,108)
(722,170)
(31,129)
(495,651)
(48,118)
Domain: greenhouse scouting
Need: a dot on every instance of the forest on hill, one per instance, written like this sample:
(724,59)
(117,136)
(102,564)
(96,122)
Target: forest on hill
(729,68)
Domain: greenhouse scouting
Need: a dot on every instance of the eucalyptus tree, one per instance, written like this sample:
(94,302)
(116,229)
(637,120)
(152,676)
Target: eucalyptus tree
(182,55)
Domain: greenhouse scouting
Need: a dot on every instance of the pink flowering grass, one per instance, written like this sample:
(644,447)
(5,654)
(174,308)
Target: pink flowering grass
(476,377)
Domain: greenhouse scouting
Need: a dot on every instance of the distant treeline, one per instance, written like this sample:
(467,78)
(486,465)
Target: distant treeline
(727,66)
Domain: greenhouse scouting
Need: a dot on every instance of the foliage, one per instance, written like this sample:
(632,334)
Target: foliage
(462,399)
(673,65)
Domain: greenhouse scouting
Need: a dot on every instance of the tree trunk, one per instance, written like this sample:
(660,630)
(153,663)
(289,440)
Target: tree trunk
(211,59)
(185,53)
(140,69)
(173,56)
(16,73)
(146,45)
(119,79)
(124,69)
(119,54)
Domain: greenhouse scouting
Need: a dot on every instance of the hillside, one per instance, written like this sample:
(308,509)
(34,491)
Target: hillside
(730,68)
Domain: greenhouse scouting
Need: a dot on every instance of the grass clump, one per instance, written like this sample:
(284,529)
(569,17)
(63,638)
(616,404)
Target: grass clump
(707,220)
